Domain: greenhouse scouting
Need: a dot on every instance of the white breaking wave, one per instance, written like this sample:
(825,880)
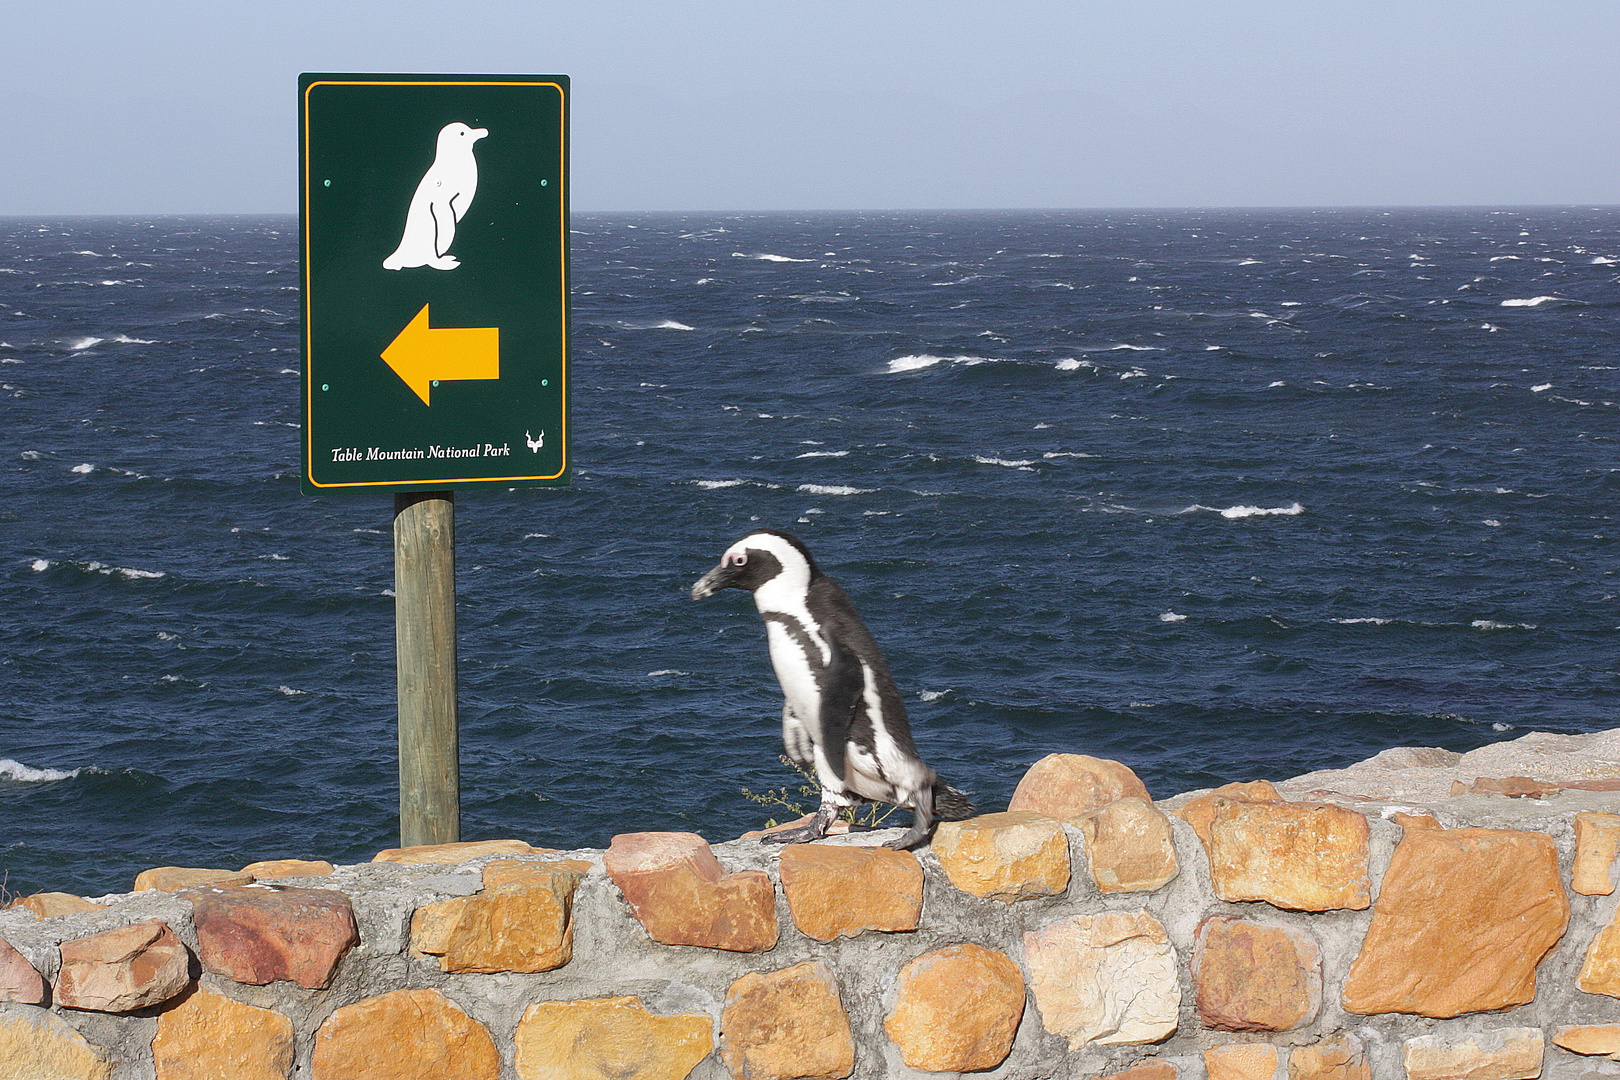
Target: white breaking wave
(84,469)
(1487,624)
(41,565)
(833,489)
(1543,386)
(1171,616)
(1291,510)
(1050,454)
(1534,301)
(666,671)
(1136,348)
(1002,462)
(80,344)
(766,257)
(671,324)
(824,453)
(1364,622)
(287,691)
(16,770)
(919,361)
(710,485)
(1602,260)
(933,695)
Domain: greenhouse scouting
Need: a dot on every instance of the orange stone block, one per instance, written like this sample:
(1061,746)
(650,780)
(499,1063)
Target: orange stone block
(47,905)
(1010,856)
(1200,812)
(403,1035)
(208,1036)
(1336,1057)
(1600,973)
(520,922)
(455,854)
(37,1044)
(20,981)
(1298,856)
(957,1009)
(1072,786)
(1254,977)
(1597,842)
(285,868)
(1151,1069)
(171,878)
(681,894)
(838,892)
(1463,918)
(787,1025)
(1242,1061)
(1500,1054)
(1128,846)
(1591,1039)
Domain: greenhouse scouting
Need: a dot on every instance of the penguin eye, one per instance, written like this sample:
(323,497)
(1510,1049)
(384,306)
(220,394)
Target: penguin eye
(737,558)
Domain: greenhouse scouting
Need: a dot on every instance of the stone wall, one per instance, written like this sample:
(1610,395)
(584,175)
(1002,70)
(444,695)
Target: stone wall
(1410,921)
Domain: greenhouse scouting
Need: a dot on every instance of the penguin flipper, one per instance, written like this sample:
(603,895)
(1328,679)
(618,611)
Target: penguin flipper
(844,682)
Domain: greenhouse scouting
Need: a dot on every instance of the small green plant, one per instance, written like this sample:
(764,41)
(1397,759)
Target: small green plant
(794,800)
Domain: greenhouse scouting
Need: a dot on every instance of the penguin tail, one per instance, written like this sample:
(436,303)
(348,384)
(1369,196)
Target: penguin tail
(951,804)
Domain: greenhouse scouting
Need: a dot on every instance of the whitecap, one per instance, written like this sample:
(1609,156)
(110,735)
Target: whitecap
(1492,522)
(670,324)
(1171,616)
(40,565)
(1249,262)
(666,671)
(1499,726)
(914,363)
(1534,301)
(767,257)
(1051,454)
(1541,387)
(1602,260)
(933,695)
(711,485)
(83,469)
(80,344)
(31,455)
(824,453)
(1488,326)
(1003,462)
(1134,373)
(287,691)
(16,770)
(133,574)
(1488,624)
(1364,622)
(1070,364)
(1278,383)
(1136,348)
(1290,510)
(833,489)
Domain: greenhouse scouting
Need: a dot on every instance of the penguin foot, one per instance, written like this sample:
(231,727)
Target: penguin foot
(802,835)
(444,262)
(914,837)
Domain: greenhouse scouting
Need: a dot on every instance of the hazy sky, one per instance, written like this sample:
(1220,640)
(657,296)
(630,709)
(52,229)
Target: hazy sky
(173,106)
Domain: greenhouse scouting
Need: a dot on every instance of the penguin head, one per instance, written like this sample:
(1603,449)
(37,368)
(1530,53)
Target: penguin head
(459,134)
(763,556)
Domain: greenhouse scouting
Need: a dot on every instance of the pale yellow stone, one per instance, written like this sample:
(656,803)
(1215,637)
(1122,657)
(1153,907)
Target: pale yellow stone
(1128,846)
(1591,1039)
(454,854)
(1500,1054)
(209,1036)
(1299,856)
(1597,842)
(1334,1057)
(36,1044)
(609,1039)
(285,868)
(1109,978)
(1011,856)
(171,878)
(1242,1061)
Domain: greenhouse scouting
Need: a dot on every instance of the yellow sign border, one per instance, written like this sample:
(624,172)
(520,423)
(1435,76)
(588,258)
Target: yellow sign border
(309,384)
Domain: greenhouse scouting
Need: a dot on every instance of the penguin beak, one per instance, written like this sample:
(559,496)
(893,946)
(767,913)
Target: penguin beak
(479,133)
(715,580)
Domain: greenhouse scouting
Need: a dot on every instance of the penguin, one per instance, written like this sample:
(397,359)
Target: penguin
(841,715)
(442,197)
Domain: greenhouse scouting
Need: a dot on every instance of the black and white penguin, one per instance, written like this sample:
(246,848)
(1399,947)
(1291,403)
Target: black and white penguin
(842,715)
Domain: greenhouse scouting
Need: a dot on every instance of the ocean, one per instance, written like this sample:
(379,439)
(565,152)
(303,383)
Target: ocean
(1221,494)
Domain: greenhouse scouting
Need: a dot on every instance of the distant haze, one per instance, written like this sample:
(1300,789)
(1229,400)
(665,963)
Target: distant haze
(175,106)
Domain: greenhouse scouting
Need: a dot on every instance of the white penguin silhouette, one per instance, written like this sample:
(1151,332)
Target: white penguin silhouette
(441,199)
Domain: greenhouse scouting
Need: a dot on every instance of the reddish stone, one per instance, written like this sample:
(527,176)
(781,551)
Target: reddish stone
(122,970)
(1254,977)
(681,894)
(1334,1057)
(257,935)
(1151,1069)
(1073,786)
(18,979)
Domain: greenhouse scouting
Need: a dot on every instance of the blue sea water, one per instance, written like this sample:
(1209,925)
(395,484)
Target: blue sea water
(1223,495)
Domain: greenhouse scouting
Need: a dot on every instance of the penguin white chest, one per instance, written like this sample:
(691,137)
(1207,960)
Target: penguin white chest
(796,667)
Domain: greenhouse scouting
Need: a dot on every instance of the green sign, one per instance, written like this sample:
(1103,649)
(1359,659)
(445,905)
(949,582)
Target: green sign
(434,241)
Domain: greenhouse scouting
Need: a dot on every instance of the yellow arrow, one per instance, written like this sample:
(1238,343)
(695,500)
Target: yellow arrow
(422,356)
